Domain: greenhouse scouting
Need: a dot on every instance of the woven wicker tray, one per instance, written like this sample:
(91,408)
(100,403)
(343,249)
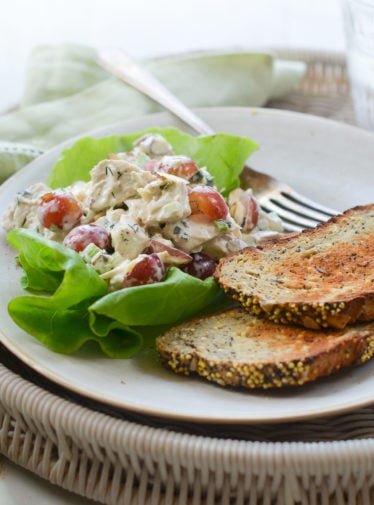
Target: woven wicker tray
(122,458)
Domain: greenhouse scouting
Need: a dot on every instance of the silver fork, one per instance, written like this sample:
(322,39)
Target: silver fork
(295,210)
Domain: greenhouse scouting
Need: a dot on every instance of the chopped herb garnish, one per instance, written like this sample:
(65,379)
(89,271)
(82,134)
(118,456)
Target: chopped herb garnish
(197,177)
(203,175)
(222,225)
(25,192)
(122,205)
(134,227)
(108,170)
(180,233)
(166,185)
(124,236)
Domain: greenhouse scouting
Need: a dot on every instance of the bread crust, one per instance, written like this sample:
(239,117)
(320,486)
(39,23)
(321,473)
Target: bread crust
(318,278)
(235,348)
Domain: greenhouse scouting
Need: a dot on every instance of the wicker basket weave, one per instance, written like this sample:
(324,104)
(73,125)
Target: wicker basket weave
(119,458)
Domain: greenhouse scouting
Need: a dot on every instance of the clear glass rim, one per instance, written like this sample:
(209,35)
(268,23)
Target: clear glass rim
(363,3)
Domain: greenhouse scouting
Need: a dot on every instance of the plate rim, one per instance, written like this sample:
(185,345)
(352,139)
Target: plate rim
(94,396)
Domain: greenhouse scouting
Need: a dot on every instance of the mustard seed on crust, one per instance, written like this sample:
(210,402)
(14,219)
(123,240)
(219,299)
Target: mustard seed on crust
(261,354)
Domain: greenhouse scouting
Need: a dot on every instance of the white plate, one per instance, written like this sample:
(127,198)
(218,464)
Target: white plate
(328,161)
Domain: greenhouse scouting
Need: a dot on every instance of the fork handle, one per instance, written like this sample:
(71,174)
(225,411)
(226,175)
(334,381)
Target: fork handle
(119,64)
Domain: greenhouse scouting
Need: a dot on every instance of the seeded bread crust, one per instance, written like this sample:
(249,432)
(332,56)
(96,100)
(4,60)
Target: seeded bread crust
(235,348)
(318,278)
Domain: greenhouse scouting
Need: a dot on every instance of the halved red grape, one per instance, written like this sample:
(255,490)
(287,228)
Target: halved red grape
(175,256)
(146,270)
(179,165)
(201,266)
(59,209)
(207,201)
(151,165)
(81,236)
(244,209)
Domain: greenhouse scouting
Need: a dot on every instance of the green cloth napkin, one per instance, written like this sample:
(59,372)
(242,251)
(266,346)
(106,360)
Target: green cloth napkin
(67,94)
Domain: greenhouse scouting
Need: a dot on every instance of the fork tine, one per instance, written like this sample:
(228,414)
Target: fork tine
(300,212)
(284,200)
(287,216)
(289,227)
(311,204)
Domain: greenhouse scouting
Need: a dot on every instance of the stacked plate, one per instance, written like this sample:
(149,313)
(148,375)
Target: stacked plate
(130,431)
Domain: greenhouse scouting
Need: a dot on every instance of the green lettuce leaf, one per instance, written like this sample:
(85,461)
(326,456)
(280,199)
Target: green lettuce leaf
(74,306)
(179,297)
(69,303)
(224,155)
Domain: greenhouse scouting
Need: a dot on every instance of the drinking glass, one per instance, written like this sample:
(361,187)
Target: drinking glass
(359,28)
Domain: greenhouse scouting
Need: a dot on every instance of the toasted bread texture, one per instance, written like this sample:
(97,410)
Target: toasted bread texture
(235,348)
(318,278)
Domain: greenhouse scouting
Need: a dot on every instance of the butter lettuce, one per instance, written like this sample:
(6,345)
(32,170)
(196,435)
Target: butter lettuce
(69,304)
(224,155)
(73,305)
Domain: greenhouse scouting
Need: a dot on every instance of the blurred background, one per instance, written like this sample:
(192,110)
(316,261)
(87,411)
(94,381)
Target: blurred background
(146,29)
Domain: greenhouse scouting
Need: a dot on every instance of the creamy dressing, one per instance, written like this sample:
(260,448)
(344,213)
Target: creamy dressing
(164,200)
(143,209)
(23,210)
(115,181)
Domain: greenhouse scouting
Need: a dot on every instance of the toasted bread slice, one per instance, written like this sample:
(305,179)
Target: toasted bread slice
(235,348)
(318,278)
